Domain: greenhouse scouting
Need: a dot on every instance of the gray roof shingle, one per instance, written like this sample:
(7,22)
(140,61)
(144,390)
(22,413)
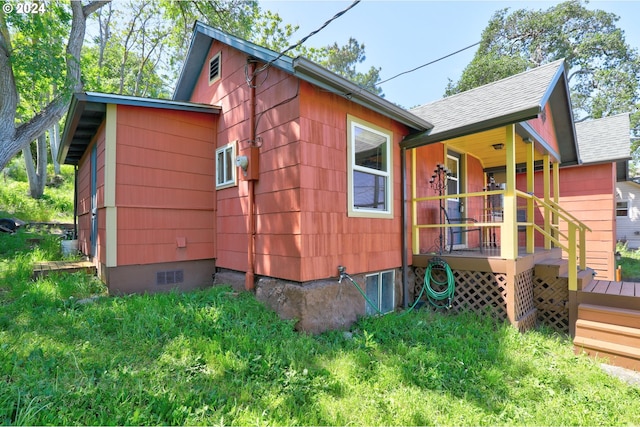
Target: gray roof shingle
(522,93)
(604,140)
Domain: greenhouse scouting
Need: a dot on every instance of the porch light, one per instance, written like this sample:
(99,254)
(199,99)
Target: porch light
(499,146)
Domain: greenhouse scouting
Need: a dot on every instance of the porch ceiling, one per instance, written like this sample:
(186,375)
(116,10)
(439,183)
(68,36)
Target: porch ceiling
(480,145)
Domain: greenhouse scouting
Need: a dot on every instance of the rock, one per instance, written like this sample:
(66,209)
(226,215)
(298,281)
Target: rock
(317,306)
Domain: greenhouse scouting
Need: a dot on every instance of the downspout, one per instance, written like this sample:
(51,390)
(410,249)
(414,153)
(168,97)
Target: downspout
(249,282)
(403,212)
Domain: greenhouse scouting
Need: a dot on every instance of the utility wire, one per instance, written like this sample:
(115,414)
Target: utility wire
(305,38)
(428,63)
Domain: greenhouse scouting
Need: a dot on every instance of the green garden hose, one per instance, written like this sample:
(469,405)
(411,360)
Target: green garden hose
(435,297)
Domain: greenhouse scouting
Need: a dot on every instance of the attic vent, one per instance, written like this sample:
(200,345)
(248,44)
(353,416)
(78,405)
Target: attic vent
(169,277)
(214,68)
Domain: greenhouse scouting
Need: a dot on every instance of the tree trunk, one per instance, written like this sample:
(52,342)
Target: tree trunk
(37,175)
(13,139)
(54,140)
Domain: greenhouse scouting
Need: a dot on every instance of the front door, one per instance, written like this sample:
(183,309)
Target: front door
(453,201)
(94,201)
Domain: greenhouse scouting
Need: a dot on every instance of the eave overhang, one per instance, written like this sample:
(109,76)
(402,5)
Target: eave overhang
(87,112)
(299,67)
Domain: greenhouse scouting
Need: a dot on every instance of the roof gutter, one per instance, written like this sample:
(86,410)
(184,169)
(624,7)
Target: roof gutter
(320,76)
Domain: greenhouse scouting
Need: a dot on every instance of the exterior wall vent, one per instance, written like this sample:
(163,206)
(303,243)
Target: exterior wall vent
(214,68)
(170,277)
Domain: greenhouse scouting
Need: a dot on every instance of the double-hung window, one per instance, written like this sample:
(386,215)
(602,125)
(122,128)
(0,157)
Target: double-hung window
(369,170)
(225,166)
(622,208)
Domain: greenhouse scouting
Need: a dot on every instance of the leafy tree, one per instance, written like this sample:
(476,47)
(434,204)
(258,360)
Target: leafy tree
(343,60)
(126,55)
(39,67)
(603,70)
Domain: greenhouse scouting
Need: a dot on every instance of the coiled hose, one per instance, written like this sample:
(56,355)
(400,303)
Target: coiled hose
(432,295)
(434,269)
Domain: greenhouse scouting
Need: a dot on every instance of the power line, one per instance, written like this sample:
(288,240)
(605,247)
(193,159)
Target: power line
(428,63)
(305,38)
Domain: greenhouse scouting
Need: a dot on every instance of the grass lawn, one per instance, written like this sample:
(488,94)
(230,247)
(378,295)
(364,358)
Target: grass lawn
(217,357)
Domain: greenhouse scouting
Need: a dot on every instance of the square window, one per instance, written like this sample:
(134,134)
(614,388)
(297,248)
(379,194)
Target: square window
(225,167)
(380,290)
(369,170)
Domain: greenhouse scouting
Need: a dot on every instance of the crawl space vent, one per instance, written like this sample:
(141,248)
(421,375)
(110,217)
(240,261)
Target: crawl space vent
(169,277)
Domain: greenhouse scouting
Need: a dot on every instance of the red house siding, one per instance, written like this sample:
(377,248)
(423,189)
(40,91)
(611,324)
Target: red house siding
(545,128)
(84,199)
(164,186)
(587,192)
(429,212)
(302,229)
(330,237)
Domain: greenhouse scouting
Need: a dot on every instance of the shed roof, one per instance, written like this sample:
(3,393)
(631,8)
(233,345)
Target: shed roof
(87,111)
(204,35)
(515,99)
(604,140)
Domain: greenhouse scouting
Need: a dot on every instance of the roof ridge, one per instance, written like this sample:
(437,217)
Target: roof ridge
(511,77)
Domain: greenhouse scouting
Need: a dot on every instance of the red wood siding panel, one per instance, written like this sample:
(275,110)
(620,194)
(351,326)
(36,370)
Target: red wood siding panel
(277,193)
(330,237)
(587,192)
(165,186)
(545,128)
(428,212)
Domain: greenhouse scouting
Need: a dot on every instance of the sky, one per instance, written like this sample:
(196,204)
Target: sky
(401,35)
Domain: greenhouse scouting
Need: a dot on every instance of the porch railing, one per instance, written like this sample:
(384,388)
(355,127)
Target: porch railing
(572,242)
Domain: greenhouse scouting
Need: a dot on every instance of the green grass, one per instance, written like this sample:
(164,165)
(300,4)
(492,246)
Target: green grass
(629,262)
(55,205)
(216,357)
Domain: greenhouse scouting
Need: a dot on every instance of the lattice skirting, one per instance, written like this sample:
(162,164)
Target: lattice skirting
(486,293)
(551,296)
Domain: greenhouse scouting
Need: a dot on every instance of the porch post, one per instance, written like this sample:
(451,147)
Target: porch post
(555,219)
(415,232)
(547,198)
(509,232)
(530,241)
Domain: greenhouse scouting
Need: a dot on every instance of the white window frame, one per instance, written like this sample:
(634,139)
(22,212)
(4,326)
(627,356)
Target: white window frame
(353,211)
(227,166)
(628,208)
(215,57)
(377,295)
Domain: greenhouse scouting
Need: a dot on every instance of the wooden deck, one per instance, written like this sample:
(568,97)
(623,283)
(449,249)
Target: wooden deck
(41,269)
(628,289)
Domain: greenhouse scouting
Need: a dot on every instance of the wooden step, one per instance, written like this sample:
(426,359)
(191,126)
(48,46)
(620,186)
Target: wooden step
(611,315)
(44,268)
(616,334)
(554,267)
(616,354)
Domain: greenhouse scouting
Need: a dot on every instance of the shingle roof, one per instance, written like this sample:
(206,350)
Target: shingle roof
(604,140)
(511,100)
(518,95)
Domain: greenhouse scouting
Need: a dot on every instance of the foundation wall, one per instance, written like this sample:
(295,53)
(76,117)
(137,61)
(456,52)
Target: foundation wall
(159,277)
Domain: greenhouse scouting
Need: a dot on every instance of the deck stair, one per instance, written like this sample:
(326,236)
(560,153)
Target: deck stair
(607,323)
(609,332)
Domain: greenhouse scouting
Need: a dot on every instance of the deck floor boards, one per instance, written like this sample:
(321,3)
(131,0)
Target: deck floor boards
(628,289)
(46,267)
